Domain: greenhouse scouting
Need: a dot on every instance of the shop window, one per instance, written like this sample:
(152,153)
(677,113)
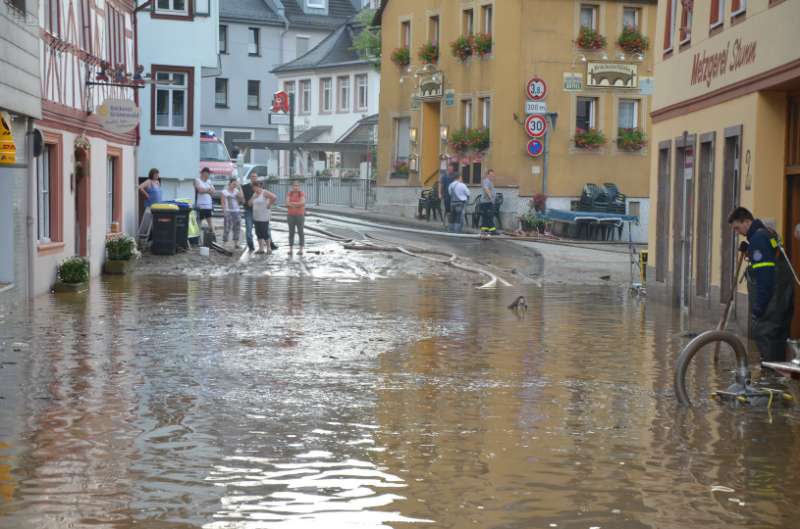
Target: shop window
(468,22)
(305,96)
(628,114)
(172,93)
(589,16)
(402,144)
(221,92)
(344,94)
(433,29)
(362,91)
(405,34)
(487,18)
(631,17)
(717,13)
(254,95)
(326,94)
(586,113)
(223,39)
(253,45)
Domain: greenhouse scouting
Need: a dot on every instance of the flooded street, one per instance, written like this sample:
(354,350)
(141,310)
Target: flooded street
(307,401)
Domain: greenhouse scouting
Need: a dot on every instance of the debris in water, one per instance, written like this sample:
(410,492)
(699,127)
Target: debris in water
(18,346)
(737,501)
(721,488)
(605,278)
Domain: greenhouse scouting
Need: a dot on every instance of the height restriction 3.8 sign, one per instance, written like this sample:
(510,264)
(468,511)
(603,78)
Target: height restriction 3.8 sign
(535,126)
(537,89)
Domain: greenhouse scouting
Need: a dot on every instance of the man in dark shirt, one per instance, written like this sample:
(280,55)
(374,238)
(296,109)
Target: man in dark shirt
(770,285)
(446,178)
(247,191)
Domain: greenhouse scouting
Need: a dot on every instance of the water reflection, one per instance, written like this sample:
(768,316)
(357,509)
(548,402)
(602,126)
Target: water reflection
(244,403)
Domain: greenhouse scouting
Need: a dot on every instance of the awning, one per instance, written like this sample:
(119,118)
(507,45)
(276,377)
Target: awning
(302,145)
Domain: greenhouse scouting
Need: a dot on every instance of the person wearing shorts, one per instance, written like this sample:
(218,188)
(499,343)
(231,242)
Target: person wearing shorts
(261,203)
(204,191)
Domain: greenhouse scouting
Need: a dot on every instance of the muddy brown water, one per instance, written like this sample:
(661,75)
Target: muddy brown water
(289,403)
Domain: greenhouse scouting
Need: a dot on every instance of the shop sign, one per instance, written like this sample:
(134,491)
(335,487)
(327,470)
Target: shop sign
(8,150)
(414,104)
(535,107)
(646,86)
(535,148)
(536,89)
(612,75)
(118,115)
(573,82)
(708,66)
(431,83)
(535,126)
(449,98)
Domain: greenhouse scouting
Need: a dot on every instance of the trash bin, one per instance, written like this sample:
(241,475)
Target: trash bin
(163,233)
(182,223)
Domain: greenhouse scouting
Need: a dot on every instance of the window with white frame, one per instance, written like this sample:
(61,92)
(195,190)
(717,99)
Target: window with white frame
(466,113)
(686,25)
(717,13)
(305,96)
(738,7)
(223,39)
(486,112)
(220,92)
(433,29)
(402,138)
(672,23)
(468,21)
(253,47)
(344,94)
(43,186)
(589,16)
(487,18)
(301,45)
(317,4)
(171,101)
(85,29)
(172,7)
(405,34)
(586,111)
(630,17)
(362,91)
(326,94)
(628,114)
(53,16)
(254,95)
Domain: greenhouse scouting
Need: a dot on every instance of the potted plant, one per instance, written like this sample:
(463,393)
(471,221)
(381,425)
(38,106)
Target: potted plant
(121,252)
(72,275)
(460,141)
(632,41)
(631,139)
(428,53)
(463,47)
(589,39)
(590,139)
(482,44)
(400,168)
(401,57)
(479,140)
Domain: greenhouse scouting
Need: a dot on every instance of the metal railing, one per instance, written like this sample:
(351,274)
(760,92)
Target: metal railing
(328,191)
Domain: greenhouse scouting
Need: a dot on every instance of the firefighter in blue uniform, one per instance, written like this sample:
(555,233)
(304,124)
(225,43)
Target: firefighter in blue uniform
(770,285)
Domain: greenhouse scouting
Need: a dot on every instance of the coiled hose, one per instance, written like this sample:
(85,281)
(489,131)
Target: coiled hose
(693,347)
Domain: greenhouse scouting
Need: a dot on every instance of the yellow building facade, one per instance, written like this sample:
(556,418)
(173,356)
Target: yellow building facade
(423,106)
(726,132)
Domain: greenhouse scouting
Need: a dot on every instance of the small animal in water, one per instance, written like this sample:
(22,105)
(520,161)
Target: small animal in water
(520,304)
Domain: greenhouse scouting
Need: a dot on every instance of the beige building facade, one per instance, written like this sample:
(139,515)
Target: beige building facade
(726,132)
(607,88)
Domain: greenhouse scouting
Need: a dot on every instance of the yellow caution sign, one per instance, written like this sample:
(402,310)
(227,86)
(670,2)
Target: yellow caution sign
(8,150)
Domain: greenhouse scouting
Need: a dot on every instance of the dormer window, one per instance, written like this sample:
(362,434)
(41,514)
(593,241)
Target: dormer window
(172,7)
(317,4)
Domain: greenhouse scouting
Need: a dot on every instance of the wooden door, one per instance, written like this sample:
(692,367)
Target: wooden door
(792,236)
(82,202)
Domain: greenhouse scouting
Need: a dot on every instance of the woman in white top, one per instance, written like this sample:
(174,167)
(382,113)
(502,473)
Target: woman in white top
(261,202)
(231,196)
(205,191)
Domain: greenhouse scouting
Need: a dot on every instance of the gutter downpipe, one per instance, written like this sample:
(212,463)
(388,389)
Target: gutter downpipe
(29,195)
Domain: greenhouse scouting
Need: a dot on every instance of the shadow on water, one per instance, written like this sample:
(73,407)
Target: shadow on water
(246,403)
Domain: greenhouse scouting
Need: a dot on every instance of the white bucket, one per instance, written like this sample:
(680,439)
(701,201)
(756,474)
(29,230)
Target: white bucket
(204,251)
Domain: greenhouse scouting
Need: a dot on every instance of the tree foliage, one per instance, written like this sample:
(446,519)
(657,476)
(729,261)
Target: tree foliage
(368,42)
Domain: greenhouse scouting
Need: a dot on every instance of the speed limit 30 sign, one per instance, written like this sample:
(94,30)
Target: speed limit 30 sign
(535,126)
(537,89)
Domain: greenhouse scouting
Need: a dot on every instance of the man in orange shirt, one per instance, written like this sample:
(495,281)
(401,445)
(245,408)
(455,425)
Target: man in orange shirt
(295,215)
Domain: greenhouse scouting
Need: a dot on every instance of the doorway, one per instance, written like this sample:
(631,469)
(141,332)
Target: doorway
(791,239)
(730,199)
(82,200)
(683,221)
(429,155)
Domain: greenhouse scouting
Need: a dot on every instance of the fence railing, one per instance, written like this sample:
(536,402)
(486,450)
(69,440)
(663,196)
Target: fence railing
(328,191)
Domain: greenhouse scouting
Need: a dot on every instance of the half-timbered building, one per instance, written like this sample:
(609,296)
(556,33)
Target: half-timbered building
(85,176)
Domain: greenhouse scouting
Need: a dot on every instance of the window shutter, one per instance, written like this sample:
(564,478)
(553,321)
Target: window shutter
(714,18)
(668,25)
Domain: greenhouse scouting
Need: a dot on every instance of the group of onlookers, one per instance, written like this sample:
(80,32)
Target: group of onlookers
(252,199)
(455,195)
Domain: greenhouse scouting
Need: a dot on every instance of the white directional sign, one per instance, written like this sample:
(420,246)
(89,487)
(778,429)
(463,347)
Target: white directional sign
(535,126)
(535,107)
